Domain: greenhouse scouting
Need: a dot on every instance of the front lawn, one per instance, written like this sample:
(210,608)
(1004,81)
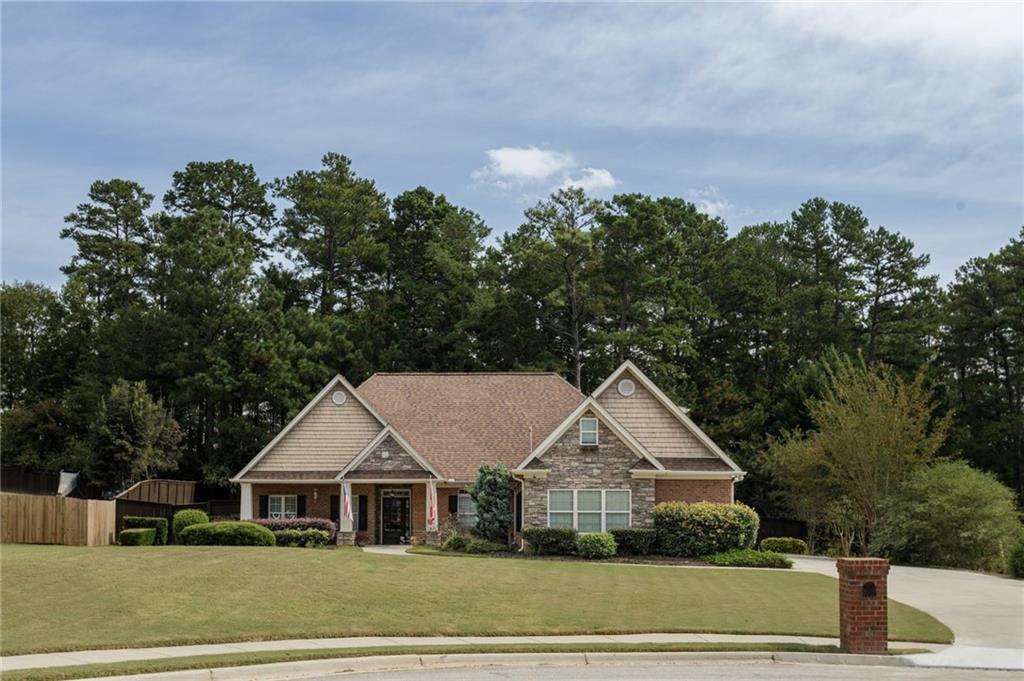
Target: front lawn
(66,598)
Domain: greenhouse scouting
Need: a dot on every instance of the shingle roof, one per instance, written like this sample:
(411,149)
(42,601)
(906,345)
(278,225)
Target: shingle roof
(459,421)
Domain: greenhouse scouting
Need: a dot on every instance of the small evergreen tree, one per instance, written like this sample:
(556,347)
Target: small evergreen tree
(492,493)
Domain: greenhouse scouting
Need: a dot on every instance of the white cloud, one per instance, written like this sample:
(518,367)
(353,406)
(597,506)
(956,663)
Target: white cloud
(508,167)
(709,199)
(591,180)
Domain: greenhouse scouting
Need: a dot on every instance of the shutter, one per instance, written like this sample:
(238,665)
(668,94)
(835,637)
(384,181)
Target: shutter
(264,506)
(300,506)
(336,508)
(453,503)
(363,512)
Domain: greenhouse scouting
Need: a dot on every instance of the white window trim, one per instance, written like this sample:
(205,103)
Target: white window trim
(604,506)
(595,430)
(464,516)
(283,513)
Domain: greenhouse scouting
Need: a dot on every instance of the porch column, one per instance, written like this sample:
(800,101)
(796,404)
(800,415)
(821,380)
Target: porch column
(245,506)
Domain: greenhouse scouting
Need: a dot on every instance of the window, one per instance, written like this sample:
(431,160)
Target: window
(467,509)
(588,432)
(284,505)
(355,513)
(589,510)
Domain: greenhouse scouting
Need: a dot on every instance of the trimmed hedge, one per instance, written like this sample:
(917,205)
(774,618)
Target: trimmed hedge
(634,541)
(227,533)
(704,528)
(785,545)
(137,536)
(278,524)
(306,539)
(749,558)
(132,522)
(595,545)
(186,517)
(551,541)
(1015,562)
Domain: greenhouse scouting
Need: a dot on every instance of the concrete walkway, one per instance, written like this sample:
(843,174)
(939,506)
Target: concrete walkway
(130,654)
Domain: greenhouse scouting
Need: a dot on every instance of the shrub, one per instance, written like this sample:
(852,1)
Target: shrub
(950,515)
(491,491)
(186,517)
(1015,563)
(158,524)
(784,545)
(551,541)
(634,541)
(137,536)
(455,542)
(749,558)
(704,528)
(306,539)
(277,524)
(475,545)
(227,533)
(595,545)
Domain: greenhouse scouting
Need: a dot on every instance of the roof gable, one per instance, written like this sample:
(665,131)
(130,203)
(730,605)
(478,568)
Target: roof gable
(371,458)
(323,436)
(662,426)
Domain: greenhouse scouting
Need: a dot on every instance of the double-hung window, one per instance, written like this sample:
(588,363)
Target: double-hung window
(467,509)
(589,510)
(588,432)
(283,505)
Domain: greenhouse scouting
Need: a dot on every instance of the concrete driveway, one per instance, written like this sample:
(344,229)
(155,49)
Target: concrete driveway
(985,612)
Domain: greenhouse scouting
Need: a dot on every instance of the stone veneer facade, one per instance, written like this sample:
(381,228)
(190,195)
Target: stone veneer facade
(572,466)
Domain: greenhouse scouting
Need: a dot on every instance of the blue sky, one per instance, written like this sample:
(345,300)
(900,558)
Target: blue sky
(912,112)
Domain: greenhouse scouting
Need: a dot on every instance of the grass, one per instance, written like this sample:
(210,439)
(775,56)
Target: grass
(270,657)
(71,598)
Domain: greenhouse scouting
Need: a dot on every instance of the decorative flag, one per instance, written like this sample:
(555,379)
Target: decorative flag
(346,492)
(431,506)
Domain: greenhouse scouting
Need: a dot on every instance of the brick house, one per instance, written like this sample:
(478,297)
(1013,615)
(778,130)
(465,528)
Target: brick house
(593,462)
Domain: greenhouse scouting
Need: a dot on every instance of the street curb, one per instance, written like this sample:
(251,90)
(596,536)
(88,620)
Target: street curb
(282,671)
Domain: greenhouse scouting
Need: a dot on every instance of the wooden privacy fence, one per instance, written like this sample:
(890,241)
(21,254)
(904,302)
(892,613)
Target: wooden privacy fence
(34,519)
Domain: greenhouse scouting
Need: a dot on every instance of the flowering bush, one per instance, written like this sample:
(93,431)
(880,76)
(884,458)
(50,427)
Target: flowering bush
(278,524)
(704,528)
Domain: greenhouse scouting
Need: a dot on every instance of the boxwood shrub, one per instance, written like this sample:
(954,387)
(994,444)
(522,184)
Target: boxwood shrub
(277,524)
(595,545)
(227,533)
(186,517)
(634,541)
(551,541)
(137,536)
(306,539)
(704,528)
(784,545)
(749,558)
(132,522)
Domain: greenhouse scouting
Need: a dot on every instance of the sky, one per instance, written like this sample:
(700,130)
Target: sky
(912,112)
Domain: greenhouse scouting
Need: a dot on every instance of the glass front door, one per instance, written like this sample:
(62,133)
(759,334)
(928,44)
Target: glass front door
(394,519)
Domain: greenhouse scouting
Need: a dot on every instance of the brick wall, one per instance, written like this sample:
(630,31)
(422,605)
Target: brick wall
(863,617)
(318,496)
(571,466)
(691,491)
(368,537)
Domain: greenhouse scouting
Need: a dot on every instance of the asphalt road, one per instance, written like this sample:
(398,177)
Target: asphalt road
(691,672)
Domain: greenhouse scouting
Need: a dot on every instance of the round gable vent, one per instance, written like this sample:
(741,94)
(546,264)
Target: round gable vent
(627,387)
(339,397)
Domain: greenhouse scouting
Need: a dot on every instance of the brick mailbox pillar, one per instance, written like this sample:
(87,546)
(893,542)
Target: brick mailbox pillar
(863,605)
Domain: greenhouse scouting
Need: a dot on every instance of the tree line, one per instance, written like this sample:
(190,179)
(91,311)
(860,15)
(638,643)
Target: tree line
(220,310)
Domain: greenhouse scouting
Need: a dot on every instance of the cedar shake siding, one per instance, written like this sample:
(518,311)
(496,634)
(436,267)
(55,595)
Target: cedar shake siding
(327,438)
(572,466)
(650,422)
(692,491)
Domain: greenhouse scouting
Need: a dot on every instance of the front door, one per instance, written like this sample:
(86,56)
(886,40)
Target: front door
(394,520)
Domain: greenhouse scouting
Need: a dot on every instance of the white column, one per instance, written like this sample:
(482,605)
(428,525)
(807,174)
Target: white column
(344,522)
(245,508)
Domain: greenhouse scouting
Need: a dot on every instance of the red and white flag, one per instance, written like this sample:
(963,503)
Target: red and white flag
(346,493)
(431,506)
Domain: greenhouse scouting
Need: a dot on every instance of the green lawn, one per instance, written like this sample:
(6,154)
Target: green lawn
(66,598)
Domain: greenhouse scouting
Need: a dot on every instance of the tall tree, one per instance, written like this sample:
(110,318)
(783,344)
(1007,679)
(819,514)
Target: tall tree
(113,237)
(328,231)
